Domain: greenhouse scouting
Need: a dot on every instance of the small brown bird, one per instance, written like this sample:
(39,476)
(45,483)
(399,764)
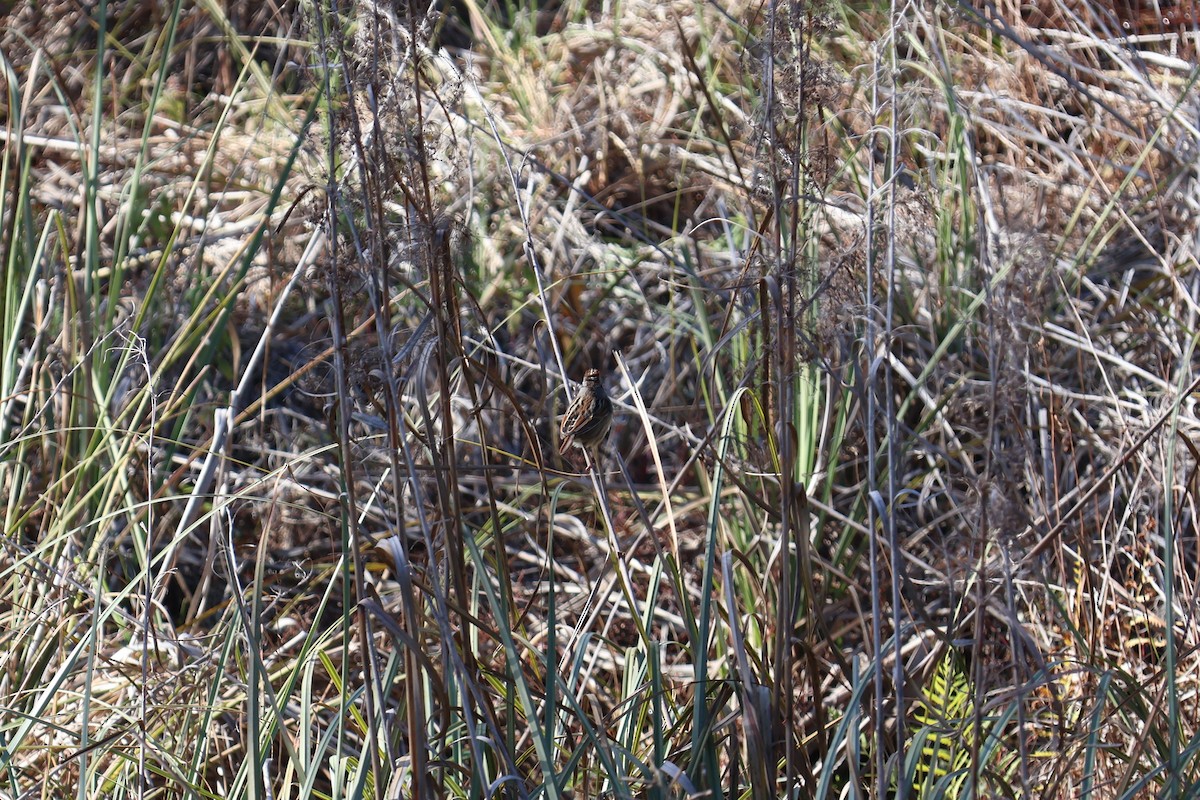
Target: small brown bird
(589,418)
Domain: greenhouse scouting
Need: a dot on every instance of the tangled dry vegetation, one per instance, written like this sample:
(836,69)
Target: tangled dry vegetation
(897,306)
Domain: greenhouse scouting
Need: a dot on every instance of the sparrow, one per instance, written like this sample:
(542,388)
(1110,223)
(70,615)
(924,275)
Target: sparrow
(589,418)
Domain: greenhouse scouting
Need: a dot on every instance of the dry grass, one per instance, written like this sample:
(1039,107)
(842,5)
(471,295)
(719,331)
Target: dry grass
(897,307)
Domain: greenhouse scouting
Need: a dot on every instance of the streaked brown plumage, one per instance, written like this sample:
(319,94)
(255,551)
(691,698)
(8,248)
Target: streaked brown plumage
(589,418)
